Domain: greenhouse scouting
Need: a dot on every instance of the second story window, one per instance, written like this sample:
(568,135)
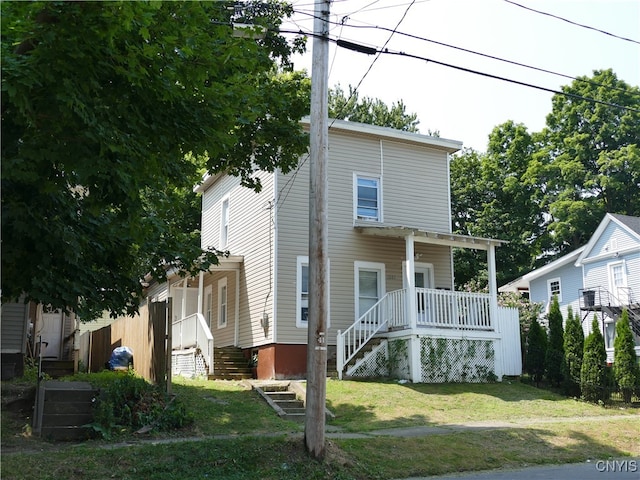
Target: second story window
(224,223)
(367,198)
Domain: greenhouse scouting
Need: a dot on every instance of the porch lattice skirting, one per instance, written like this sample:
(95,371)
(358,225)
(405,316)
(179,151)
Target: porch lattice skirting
(441,360)
(188,363)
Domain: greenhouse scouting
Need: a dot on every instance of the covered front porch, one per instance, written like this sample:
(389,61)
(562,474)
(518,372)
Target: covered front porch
(413,316)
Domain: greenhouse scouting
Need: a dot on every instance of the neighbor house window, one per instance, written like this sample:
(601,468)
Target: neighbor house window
(302,296)
(553,285)
(224,223)
(367,198)
(222,302)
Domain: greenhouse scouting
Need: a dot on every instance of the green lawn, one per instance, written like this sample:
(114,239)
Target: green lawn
(229,408)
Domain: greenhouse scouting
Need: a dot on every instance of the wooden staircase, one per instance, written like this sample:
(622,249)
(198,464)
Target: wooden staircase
(229,363)
(57,368)
(365,349)
(63,410)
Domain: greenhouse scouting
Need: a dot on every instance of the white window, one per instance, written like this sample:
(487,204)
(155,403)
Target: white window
(224,223)
(553,287)
(222,302)
(208,304)
(618,284)
(367,198)
(369,285)
(302,289)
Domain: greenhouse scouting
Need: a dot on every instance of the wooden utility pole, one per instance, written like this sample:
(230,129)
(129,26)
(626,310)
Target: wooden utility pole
(318,242)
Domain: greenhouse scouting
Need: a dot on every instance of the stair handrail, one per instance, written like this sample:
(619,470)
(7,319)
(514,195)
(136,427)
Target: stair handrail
(354,338)
(194,331)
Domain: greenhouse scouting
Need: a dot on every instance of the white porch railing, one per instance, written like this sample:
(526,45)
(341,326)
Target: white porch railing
(357,335)
(435,309)
(447,309)
(193,331)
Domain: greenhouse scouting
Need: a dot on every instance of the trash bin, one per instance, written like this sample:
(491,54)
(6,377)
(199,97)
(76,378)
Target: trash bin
(589,297)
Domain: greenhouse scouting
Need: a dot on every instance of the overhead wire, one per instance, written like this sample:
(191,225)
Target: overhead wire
(572,22)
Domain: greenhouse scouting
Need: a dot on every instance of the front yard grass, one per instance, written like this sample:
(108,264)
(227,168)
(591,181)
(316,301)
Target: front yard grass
(230,409)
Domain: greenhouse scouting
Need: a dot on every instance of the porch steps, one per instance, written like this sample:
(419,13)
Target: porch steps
(364,350)
(287,398)
(229,363)
(63,410)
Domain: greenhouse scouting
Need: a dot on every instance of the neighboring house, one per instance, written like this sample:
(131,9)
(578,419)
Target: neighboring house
(601,278)
(24,325)
(390,259)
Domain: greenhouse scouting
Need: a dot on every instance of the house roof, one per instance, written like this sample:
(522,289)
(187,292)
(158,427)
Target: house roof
(525,280)
(437,143)
(628,223)
(428,236)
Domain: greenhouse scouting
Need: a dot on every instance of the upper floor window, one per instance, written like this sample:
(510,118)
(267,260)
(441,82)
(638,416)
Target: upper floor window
(367,198)
(553,286)
(224,223)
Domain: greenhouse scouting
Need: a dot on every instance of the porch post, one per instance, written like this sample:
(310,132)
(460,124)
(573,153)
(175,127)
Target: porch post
(183,307)
(410,282)
(493,308)
(200,291)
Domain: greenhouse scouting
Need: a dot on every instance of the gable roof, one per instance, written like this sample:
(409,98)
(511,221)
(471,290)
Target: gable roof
(628,223)
(525,280)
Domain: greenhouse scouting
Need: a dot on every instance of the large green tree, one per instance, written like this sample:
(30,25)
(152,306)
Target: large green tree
(371,110)
(111,111)
(590,160)
(491,198)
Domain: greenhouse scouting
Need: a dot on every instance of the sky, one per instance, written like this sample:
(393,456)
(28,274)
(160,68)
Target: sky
(460,105)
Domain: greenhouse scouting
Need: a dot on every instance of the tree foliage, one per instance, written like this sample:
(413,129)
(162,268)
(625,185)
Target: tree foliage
(554,356)
(371,110)
(536,352)
(625,363)
(111,112)
(573,351)
(546,192)
(593,374)
(589,159)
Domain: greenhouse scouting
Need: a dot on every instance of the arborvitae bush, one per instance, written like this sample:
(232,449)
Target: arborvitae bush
(593,374)
(536,349)
(554,357)
(625,365)
(573,351)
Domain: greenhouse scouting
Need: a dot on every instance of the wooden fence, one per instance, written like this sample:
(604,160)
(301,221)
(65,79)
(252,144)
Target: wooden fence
(144,334)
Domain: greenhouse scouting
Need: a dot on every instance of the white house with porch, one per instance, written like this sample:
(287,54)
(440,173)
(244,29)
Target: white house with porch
(393,308)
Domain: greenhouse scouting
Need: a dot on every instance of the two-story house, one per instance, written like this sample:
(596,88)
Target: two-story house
(390,261)
(601,278)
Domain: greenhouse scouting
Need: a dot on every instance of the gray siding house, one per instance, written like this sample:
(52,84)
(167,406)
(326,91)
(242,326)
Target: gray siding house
(391,269)
(601,278)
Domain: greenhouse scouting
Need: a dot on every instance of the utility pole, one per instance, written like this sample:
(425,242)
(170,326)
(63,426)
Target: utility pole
(314,425)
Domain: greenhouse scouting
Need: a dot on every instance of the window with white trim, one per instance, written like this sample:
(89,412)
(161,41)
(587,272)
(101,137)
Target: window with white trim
(367,198)
(369,285)
(222,302)
(224,223)
(302,291)
(554,288)
(208,304)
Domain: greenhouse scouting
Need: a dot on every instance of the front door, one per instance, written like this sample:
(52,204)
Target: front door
(423,275)
(370,286)
(52,334)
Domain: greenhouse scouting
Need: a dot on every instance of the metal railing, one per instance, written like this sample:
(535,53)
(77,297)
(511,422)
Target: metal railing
(193,332)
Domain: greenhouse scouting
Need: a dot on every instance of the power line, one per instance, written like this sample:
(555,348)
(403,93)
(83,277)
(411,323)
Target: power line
(484,74)
(485,55)
(572,22)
